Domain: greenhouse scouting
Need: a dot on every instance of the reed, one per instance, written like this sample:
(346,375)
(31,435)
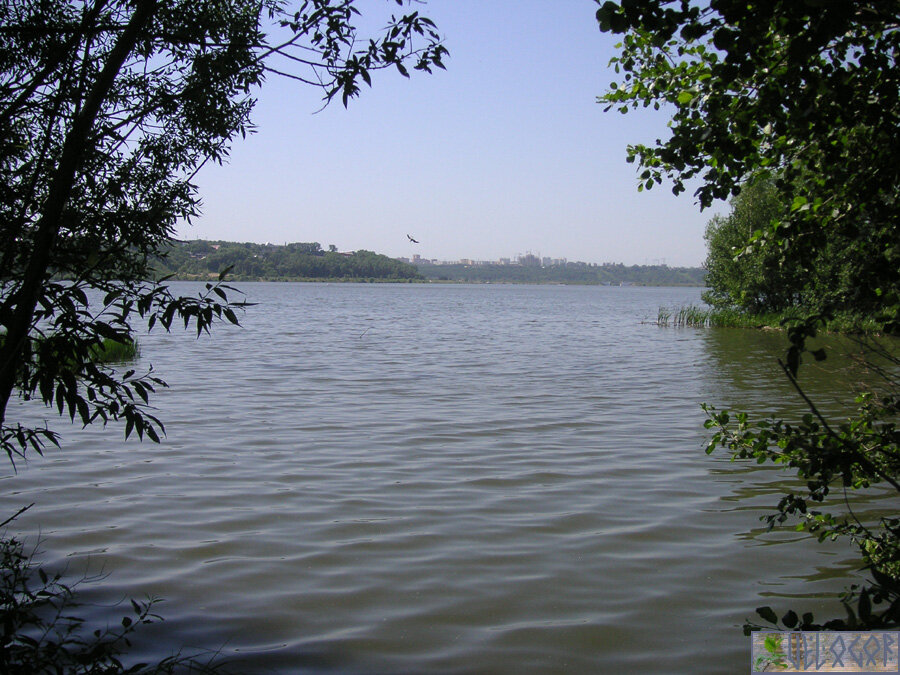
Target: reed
(684,316)
(695,316)
(699,316)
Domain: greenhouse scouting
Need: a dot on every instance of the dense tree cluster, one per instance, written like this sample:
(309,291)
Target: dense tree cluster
(753,279)
(748,275)
(248,261)
(802,93)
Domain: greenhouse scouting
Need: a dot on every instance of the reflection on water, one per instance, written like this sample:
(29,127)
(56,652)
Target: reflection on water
(750,378)
(428,478)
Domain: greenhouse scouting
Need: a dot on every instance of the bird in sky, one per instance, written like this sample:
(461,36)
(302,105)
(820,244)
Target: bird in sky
(415,241)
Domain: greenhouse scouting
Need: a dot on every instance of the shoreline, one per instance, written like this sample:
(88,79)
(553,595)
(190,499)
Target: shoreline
(374,280)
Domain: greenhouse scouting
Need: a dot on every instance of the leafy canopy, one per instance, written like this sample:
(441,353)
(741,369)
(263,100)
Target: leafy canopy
(747,275)
(804,93)
(108,108)
(740,276)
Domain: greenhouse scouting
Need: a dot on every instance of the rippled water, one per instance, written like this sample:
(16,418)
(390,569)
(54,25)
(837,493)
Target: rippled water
(440,479)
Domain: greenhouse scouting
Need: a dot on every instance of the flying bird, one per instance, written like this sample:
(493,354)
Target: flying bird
(415,241)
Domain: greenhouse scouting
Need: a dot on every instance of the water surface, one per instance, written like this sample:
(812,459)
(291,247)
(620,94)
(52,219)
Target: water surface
(440,479)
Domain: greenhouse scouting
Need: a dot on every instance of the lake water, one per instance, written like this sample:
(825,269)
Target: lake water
(440,479)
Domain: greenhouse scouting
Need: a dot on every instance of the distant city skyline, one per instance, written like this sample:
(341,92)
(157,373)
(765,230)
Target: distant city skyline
(507,147)
(546,261)
(502,260)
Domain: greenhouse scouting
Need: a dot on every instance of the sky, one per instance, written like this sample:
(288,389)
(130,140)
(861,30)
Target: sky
(506,152)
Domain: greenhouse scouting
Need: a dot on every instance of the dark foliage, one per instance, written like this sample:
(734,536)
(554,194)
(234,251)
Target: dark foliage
(802,93)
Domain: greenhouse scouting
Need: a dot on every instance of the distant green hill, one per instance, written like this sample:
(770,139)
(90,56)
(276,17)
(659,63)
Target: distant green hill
(571,273)
(201,259)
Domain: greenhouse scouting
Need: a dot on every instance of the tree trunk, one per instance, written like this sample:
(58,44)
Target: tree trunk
(26,297)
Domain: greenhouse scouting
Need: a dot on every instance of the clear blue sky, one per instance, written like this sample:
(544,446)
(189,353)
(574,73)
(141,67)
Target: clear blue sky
(505,152)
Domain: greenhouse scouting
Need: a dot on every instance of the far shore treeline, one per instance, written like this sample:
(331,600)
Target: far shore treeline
(570,273)
(202,259)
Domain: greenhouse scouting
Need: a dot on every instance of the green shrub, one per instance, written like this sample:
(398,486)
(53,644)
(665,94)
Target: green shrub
(112,351)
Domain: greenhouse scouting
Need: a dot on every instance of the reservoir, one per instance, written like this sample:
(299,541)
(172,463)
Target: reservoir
(429,478)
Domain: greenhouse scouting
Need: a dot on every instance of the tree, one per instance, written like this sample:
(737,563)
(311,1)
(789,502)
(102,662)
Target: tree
(108,108)
(739,276)
(805,94)
(747,275)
